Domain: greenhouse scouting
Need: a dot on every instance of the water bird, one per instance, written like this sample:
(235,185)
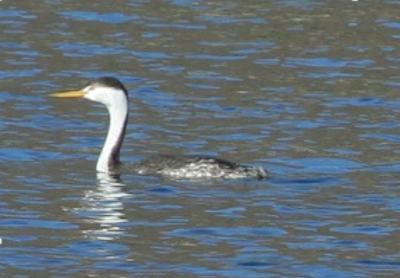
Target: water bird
(112,93)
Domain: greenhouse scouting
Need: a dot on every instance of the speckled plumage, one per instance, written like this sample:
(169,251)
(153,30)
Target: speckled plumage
(193,167)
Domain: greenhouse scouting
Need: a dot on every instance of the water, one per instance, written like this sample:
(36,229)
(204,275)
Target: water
(307,89)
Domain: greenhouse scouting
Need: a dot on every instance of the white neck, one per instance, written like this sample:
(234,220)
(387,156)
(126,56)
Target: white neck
(109,156)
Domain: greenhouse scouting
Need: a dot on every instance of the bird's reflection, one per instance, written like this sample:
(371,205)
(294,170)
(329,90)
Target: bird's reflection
(104,207)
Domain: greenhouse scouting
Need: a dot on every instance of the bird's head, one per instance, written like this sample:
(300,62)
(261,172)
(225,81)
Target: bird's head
(105,90)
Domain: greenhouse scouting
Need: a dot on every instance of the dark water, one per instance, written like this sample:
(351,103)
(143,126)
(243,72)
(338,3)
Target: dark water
(307,89)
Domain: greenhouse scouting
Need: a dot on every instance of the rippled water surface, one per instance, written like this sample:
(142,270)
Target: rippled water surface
(307,89)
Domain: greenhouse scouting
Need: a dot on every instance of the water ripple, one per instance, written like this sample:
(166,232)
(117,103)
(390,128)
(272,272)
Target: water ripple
(309,94)
(98,17)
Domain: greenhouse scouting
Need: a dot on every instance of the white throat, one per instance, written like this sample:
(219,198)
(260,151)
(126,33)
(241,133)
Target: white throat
(117,107)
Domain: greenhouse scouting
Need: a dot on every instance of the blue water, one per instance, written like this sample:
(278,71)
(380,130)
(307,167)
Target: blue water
(308,93)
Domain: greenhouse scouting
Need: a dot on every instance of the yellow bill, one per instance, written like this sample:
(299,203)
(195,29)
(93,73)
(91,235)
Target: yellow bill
(74,94)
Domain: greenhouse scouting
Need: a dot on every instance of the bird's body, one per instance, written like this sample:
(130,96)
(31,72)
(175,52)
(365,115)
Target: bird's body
(192,167)
(112,93)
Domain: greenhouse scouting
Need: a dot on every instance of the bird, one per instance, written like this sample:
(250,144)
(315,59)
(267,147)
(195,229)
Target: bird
(110,92)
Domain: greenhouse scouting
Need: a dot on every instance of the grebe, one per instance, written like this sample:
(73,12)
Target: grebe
(113,94)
